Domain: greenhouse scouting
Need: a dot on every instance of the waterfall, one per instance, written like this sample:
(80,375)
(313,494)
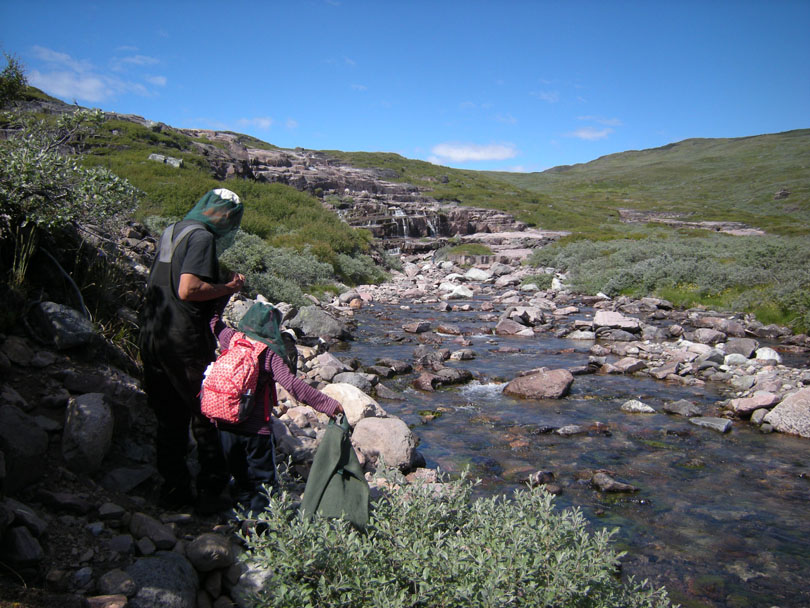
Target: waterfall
(431,226)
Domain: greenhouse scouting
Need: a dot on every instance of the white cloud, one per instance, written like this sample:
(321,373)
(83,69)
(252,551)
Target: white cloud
(359,87)
(291,123)
(140,60)
(70,85)
(547,96)
(590,133)
(62,59)
(460,153)
(506,118)
(260,122)
(79,80)
(608,122)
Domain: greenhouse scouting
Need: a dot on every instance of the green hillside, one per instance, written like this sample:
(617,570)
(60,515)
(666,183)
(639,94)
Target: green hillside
(708,179)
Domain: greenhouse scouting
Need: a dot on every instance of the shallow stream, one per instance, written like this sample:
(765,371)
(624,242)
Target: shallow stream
(719,519)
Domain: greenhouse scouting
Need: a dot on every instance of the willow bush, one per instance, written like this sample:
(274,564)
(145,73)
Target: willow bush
(765,275)
(423,548)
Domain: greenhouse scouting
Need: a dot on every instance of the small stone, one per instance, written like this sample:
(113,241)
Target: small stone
(110,510)
(145,546)
(116,582)
(83,577)
(107,601)
(210,551)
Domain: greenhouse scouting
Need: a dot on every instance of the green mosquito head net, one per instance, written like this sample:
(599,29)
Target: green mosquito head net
(220,210)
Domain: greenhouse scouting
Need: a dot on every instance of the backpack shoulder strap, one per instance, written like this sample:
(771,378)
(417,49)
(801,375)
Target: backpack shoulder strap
(169,241)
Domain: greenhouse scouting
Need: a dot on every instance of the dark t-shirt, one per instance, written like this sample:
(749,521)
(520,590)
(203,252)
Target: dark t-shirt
(170,325)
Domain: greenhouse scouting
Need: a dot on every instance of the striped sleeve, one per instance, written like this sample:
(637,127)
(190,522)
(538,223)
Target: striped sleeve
(299,389)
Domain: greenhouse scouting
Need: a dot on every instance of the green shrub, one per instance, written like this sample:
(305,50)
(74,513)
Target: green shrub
(44,190)
(542,280)
(761,274)
(359,269)
(13,81)
(425,549)
(276,273)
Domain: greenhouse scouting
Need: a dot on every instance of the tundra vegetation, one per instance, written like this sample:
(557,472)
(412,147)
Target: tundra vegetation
(765,275)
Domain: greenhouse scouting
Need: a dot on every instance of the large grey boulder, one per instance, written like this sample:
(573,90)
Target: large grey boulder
(60,325)
(23,444)
(388,439)
(356,404)
(792,415)
(167,580)
(542,384)
(88,432)
(314,321)
(742,346)
(362,381)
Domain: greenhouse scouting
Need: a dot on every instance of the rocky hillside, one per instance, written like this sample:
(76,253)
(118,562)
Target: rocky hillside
(368,198)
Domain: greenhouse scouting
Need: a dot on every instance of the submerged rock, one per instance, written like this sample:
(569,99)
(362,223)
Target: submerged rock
(605,483)
(721,425)
(543,384)
(682,407)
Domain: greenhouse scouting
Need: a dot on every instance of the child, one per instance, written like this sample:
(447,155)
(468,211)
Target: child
(248,446)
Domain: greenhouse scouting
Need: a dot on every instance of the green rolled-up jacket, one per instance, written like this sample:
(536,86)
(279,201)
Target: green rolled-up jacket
(336,486)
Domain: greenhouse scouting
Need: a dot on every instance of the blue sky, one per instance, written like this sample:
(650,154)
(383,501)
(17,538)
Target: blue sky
(510,85)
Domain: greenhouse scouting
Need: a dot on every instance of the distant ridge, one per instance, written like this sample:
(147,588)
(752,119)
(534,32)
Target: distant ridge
(761,180)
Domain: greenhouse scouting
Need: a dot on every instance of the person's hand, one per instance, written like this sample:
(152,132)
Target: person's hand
(236,282)
(338,411)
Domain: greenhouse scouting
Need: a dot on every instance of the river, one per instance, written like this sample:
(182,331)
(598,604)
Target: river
(720,520)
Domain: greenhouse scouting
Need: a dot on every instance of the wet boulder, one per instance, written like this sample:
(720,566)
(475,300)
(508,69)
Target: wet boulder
(792,415)
(721,425)
(605,483)
(745,406)
(541,384)
(634,406)
(508,327)
(682,407)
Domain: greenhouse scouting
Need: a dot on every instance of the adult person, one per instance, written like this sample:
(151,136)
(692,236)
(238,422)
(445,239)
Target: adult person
(248,446)
(184,292)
